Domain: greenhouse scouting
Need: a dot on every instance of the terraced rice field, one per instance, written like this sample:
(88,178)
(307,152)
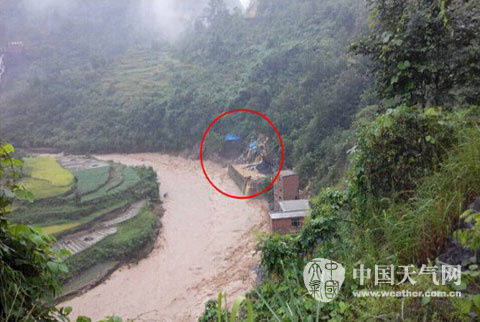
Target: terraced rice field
(115,180)
(43,189)
(46,178)
(94,180)
(90,203)
(90,180)
(54,229)
(130,178)
(80,241)
(48,169)
(105,211)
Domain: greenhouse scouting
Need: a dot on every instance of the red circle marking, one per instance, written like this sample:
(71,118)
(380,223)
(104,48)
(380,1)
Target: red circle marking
(203,141)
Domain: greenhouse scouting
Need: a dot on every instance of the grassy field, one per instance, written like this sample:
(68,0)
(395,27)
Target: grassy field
(46,178)
(44,189)
(89,180)
(47,168)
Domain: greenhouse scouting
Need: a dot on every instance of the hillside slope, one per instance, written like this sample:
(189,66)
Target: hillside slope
(125,89)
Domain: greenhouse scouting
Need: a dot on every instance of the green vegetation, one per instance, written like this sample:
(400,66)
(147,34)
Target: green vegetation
(70,214)
(213,144)
(98,194)
(37,214)
(440,199)
(43,189)
(31,271)
(470,237)
(132,235)
(46,178)
(104,210)
(130,179)
(424,52)
(29,268)
(215,312)
(89,180)
(55,229)
(402,146)
(116,178)
(48,169)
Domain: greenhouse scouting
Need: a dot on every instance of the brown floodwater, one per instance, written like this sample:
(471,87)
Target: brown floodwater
(206,245)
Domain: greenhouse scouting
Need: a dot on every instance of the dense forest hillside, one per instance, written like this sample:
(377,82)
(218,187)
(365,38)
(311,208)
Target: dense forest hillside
(132,88)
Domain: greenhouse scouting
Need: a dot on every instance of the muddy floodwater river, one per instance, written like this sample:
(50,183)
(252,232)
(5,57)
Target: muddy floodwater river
(206,245)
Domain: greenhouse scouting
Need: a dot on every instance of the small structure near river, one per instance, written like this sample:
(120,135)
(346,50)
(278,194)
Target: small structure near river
(232,146)
(288,211)
(251,169)
(253,172)
(247,178)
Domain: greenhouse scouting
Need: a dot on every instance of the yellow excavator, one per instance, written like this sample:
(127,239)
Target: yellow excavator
(260,155)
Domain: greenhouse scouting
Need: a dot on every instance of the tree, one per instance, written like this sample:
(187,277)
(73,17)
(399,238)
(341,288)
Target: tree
(424,52)
(29,268)
(216,12)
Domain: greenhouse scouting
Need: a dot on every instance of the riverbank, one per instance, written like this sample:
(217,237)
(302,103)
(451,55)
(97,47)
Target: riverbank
(206,245)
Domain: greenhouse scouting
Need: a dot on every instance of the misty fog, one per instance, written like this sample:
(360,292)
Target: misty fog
(167,18)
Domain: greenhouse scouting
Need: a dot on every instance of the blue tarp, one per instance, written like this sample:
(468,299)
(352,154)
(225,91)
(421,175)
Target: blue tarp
(253,145)
(231,137)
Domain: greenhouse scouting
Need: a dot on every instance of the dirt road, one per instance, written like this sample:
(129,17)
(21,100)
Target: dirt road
(206,246)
